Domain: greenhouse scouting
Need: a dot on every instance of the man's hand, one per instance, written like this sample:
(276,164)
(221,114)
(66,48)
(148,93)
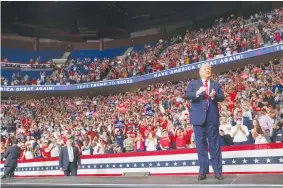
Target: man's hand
(200,90)
(79,166)
(213,93)
(61,169)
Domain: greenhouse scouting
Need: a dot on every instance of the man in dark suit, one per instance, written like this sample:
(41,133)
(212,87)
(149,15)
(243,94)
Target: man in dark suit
(69,159)
(11,155)
(205,94)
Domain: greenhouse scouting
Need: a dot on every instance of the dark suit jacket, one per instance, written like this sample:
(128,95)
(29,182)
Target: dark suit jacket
(198,105)
(12,155)
(64,157)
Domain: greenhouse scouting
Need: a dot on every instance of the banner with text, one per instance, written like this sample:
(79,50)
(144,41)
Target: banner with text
(168,72)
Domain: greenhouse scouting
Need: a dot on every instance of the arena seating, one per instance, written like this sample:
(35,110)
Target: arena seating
(156,118)
(24,56)
(226,37)
(111,53)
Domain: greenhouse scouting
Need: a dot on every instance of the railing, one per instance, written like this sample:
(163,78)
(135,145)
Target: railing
(24,65)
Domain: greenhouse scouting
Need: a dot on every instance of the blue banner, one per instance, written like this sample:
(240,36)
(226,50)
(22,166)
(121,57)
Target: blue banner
(168,72)
(148,110)
(119,124)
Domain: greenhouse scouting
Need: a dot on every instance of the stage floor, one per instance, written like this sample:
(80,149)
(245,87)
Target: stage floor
(231,181)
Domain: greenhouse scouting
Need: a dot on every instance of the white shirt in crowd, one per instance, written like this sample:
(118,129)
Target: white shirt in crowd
(226,128)
(55,151)
(151,144)
(240,136)
(86,150)
(28,154)
(248,114)
(70,153)
(30,142)
(158,133)
(98,149)
(25,77)
(228,52)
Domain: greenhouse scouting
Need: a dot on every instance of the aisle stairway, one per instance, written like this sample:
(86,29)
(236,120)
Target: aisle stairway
(128,51)
(66,55)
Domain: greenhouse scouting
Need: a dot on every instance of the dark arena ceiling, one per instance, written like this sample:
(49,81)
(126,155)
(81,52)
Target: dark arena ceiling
(80,21)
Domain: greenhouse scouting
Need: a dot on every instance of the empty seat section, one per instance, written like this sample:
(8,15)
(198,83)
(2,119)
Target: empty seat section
(24,56)
(111,53)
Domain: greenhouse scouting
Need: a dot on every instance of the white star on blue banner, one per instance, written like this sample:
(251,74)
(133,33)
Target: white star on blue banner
(161,164)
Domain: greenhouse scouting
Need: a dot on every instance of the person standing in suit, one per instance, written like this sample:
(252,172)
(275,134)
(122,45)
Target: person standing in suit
(11,155)
(69,159)
(205,94)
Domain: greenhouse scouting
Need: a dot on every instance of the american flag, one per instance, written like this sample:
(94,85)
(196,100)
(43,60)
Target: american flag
(237,159)
(160,164)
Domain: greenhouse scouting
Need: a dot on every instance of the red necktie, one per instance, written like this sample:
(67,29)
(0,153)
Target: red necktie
(206,93)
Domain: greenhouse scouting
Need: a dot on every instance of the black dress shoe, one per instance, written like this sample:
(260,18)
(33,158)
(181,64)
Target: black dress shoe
(4,177)
(219,177)
(201,177)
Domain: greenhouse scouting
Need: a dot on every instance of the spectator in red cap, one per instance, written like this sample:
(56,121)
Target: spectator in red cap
(239,133)
(46,150)
(180,135)
(164,141)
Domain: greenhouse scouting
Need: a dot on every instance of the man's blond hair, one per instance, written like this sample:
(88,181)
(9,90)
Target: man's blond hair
(203,66)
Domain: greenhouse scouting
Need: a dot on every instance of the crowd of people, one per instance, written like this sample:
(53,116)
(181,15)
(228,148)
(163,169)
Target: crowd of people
(226,37)
(79,71)
(153,118)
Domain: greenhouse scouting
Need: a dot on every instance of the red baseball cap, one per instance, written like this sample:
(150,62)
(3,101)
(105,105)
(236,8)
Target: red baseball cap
(258,109)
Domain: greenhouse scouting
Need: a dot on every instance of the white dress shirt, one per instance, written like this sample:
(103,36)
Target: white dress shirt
(226,128)
(55,151)
(70,153)
(151,144)
(98,149)
(248,114)
(240,136)
(208,84)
